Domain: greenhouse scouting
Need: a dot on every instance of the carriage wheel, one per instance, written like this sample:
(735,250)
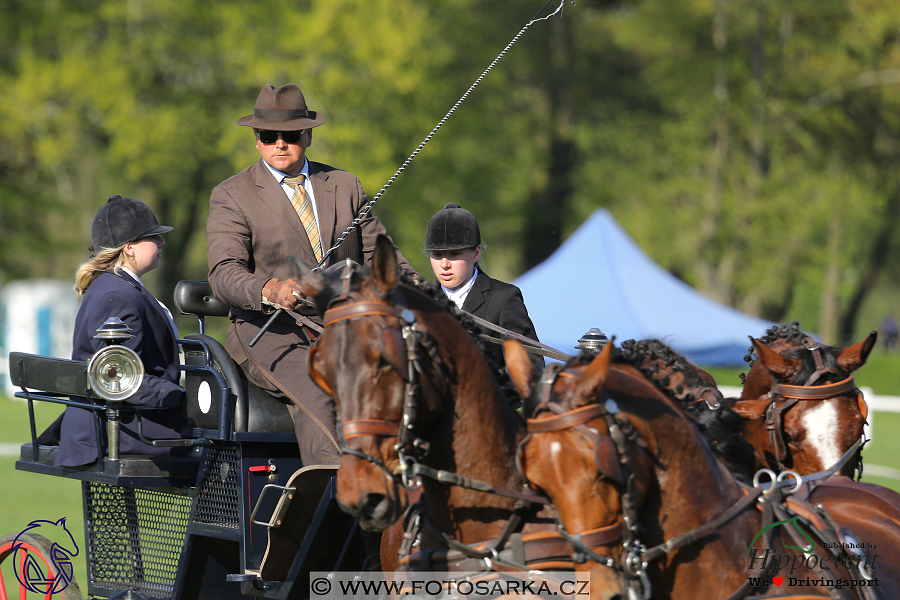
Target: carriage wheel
(34,557)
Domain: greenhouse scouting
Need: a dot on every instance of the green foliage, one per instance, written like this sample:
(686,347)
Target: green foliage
(751,148)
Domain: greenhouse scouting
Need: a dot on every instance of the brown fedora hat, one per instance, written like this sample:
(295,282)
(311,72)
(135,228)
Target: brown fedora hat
(282,109)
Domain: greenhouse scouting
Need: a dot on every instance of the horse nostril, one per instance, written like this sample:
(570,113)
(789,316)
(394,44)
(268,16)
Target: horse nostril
(370,504)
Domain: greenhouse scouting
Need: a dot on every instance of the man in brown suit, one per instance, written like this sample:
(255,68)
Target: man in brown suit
(256,221)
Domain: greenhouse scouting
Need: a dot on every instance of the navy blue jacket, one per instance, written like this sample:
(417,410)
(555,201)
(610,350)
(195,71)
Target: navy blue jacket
(112,295)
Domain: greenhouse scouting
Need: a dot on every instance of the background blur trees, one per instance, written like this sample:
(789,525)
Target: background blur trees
(750,146)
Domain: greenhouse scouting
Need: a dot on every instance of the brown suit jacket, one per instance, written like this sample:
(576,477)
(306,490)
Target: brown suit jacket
(251,231)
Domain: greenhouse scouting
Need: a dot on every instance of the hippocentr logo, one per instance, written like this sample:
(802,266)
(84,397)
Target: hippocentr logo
(785,522)
(855,559)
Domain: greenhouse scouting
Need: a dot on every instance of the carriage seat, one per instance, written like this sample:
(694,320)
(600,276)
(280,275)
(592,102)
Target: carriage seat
(255,410)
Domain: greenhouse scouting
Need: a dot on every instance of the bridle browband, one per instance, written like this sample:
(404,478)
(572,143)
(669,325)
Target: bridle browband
(784,396)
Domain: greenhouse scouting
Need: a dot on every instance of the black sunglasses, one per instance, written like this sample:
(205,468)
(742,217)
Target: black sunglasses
(268,137)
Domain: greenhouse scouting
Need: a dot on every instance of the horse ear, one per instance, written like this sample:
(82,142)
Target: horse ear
(780,366)
(594,377)
(518,366)
(855,356)
(384,264)
(310,282)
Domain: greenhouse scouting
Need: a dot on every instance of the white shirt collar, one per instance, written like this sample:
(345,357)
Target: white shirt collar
(458,297)
(279,175)
(133,275)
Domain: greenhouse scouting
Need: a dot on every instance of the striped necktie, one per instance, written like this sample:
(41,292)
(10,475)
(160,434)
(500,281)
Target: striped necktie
(302,203)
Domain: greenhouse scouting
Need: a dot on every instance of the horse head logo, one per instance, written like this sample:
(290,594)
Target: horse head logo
(786,522)
(35,574)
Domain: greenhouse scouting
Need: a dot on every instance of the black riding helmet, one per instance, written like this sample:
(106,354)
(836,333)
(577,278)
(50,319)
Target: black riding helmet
(452,228)
(123,220)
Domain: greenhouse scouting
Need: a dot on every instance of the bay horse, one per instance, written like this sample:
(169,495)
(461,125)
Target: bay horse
(416,399)
(615,454)
(802,408)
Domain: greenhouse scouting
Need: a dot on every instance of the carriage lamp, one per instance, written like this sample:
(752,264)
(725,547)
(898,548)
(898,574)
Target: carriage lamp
(592,342)
(115,373)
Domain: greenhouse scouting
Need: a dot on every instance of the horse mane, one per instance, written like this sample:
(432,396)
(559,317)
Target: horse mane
(722,427)
(787,332)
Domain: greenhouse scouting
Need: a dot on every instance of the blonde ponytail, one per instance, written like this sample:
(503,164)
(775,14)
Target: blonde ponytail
(108,259)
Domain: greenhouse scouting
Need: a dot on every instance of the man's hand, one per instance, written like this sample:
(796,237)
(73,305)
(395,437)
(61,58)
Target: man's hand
(283,293)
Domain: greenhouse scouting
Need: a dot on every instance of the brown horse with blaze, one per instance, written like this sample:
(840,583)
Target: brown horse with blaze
(802,409)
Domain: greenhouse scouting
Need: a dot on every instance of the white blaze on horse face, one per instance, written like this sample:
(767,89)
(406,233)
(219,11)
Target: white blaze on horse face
(821,425)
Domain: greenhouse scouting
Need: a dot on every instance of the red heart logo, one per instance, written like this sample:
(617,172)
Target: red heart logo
(778,580)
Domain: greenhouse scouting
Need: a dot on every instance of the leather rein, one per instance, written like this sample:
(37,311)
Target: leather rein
(784,397)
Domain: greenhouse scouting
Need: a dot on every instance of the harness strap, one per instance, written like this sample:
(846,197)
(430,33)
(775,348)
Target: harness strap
(360,309)
(687,537)
(377,427)
(472,484)
(533,346)
(568,419)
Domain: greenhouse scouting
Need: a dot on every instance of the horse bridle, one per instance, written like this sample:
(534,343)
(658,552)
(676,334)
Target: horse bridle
(611,459)
(784,397)
(409,447)
(393,353)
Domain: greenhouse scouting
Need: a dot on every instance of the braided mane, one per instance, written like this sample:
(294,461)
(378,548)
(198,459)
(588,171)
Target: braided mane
(722,427)
(789,333)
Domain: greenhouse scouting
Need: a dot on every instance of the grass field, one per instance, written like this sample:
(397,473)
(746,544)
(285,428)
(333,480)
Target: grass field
(25,497)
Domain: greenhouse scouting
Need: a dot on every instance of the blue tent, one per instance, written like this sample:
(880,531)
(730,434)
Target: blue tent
(601,278)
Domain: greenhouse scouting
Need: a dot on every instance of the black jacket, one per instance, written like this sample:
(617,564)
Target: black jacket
(501,304)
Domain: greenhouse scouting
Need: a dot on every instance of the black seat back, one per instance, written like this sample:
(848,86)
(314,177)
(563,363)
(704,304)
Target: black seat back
(197,298)
(255,410)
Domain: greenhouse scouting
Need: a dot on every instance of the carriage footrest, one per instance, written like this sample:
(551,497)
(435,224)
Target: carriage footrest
(174,471)
(241,577)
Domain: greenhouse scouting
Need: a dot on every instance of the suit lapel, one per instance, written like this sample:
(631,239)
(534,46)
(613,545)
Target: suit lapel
(475,297)
(157,310)
(324,192)
(272,195)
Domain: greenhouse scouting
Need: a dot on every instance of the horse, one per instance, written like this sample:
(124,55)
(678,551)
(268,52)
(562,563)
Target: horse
(417,402)
(803,411)
(615,454)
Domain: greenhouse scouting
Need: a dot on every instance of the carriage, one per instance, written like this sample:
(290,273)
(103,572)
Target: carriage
(241,515)
(238,515)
